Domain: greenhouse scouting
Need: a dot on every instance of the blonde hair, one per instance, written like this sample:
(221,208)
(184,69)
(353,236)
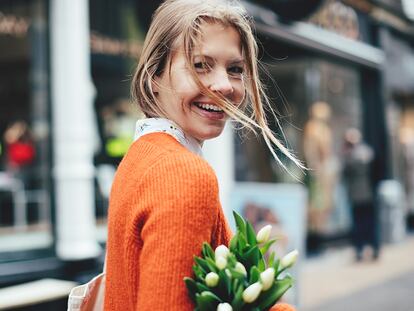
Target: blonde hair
(178,22)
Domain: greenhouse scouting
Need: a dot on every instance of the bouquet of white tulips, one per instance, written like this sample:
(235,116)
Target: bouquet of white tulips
(239,278)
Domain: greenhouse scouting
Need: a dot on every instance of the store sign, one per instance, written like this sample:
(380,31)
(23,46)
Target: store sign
(18,27)
(338,18)
(13,25)
(101,44)
(291,9)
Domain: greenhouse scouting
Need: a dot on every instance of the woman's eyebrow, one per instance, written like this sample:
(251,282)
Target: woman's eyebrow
(235,60)
(240,61)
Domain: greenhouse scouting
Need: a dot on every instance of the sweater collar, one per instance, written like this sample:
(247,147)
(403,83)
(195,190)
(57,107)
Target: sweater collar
(161,125)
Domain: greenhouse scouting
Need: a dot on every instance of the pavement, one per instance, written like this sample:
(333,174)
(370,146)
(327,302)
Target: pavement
(334,281)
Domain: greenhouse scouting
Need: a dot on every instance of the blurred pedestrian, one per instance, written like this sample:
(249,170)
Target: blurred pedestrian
(198,67)
(358,157)
(19,145)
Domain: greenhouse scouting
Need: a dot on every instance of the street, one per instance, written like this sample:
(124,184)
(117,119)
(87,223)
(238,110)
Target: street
(395,295)
(336,282)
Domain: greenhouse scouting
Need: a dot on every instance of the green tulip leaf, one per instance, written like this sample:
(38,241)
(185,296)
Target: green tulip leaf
(242,242)
(235,284)
(208,251)
(198,272)
(261,265)
(231,260)
(201,287)
(271,260)
(254,275)
(212,265)
(266,246)
(252,257)
(237,302)
(271,296)
(234,243)
(240,223)
(202,263)
(236,274)
(225,282)
(191,287)
(207,301)
(275,265)
(250,234)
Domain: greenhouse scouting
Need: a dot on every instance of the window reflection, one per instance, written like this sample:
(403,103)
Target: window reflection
(316,101)
(25,221)
(116,41)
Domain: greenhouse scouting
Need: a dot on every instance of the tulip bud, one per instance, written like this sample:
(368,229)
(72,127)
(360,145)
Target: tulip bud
(222,251)
(289,259)
(267,278)
(212,279)
(240,268)
(224,307)
(264,234)
(221,262)
(251,293)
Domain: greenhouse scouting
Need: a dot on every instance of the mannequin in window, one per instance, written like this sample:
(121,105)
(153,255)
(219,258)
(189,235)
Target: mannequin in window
(320,159)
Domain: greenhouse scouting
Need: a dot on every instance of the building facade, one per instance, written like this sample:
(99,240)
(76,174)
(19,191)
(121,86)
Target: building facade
(66,118)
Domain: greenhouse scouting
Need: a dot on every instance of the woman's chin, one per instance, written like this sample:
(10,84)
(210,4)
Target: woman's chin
(206,135)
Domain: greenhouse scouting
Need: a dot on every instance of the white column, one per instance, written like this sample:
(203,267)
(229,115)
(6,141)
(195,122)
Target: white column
(72,129)
(219,152)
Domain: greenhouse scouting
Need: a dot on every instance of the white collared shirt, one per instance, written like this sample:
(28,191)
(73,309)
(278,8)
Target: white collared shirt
(161,125)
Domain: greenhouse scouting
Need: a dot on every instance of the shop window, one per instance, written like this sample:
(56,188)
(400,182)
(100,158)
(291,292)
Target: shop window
(116,39)
(25,207)
(316,102)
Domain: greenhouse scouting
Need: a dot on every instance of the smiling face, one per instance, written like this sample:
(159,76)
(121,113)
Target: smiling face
(219,64)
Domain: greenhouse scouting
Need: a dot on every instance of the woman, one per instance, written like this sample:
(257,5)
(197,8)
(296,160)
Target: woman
(197,68)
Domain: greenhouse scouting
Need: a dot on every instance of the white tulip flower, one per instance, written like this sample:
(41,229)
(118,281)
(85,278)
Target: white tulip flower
(224,307)
(240,268)
(222,251)
(212,279)
(221,262)
(251,293)
(289,259)
(267,278)
(264,234)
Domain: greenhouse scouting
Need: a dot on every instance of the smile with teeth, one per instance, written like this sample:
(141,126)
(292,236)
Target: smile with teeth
(208,107)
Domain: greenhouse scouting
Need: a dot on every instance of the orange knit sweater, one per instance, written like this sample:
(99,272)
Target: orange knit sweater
(164,204)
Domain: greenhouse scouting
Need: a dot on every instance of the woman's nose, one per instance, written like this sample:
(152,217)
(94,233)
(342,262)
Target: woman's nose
(222,84)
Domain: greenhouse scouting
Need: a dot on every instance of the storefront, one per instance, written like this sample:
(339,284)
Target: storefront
(25,141)
(325,75)
(65,77)
(399,92)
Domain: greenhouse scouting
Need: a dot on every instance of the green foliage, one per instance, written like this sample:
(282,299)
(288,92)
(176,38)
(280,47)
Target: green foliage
(245,249)
(269,297)
(207,301)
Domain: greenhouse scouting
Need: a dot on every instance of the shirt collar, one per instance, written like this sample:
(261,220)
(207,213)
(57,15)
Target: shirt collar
(161,125)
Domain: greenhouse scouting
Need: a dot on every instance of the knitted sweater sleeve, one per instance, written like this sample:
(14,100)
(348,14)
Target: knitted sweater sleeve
(182,215)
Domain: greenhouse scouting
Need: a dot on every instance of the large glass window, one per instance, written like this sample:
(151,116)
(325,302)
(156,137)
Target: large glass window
(316,101)
(116,40)
(25,221)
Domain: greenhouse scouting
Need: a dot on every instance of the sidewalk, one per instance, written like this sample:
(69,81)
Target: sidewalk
(334,276)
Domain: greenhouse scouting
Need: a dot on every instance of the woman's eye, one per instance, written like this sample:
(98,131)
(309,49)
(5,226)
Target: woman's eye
(236,70)
(201,66)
